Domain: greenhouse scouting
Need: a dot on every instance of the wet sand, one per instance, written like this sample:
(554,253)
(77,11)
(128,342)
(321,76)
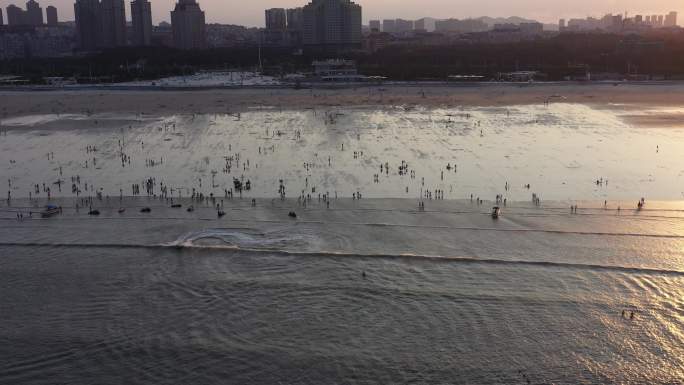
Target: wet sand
(560,150)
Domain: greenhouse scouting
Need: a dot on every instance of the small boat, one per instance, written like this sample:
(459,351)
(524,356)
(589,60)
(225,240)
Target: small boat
(94,212)
(145,210)
(496,212)
(49,211)
(176,206)
(121,210)
(191,209)
(292,214)
(221,213)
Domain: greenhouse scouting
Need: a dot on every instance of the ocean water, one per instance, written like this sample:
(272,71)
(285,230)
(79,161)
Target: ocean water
(352,291)
(367,292)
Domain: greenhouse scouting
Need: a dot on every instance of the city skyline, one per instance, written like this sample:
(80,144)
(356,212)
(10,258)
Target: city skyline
(253,14)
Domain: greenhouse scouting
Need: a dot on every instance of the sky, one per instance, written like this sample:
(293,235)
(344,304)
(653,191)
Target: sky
(251,13)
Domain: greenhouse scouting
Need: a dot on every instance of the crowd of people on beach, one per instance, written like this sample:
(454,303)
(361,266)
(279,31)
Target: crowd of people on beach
(154,187)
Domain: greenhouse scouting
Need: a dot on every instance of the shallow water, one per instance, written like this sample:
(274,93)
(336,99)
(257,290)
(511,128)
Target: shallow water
(177,316)
(449,295)
(369,291)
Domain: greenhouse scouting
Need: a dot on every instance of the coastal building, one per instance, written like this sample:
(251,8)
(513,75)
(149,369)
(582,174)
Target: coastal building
(376,41)
(284,27)
(332,24)
(388,25)
(141,16)
(34,13)
(295,26)
(16,16)
(461,26)
(335,70)
(374,25)
(654,20)
(531,29)
(671,19)
(620,23)
(426,24)
(420,25)
(295,19)
(113,22)
(403,26)
(88,31)
(30,42)
(188,25)
(162,35)
(2,22)
(226,35)
(100,24)
(276,19)
(51,16)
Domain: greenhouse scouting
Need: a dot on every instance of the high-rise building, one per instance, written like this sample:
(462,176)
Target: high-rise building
(295,19)
(113,19)
(389,26)
(141,16)
(34,13)
(617,22)
(276,19)
(671,19)
(374,25)
(332,24)
(561,24)
(16,15)
(660,21)
(461,26)
(654,20)
(1,20)
(51,16)
(401,25)
(188,25)
(88,30)
(531,29)
(426,24)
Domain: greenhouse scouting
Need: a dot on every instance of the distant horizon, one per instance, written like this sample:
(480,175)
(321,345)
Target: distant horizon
(253,14)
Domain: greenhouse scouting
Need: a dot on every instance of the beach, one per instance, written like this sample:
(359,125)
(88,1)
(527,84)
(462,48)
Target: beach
(330,236)
(559,151)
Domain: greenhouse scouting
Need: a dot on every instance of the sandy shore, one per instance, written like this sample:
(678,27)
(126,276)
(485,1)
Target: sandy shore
(18,103)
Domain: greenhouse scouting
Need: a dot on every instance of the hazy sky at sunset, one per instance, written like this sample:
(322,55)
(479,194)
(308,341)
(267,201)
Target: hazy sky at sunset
(251,12)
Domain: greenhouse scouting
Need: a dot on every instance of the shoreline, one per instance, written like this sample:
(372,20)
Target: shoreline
(589,206)
(212,101)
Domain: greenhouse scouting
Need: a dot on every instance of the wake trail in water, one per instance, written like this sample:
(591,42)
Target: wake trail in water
(377,224)
(334,254)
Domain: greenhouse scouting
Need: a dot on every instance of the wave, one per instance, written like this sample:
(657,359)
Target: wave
(340,254)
